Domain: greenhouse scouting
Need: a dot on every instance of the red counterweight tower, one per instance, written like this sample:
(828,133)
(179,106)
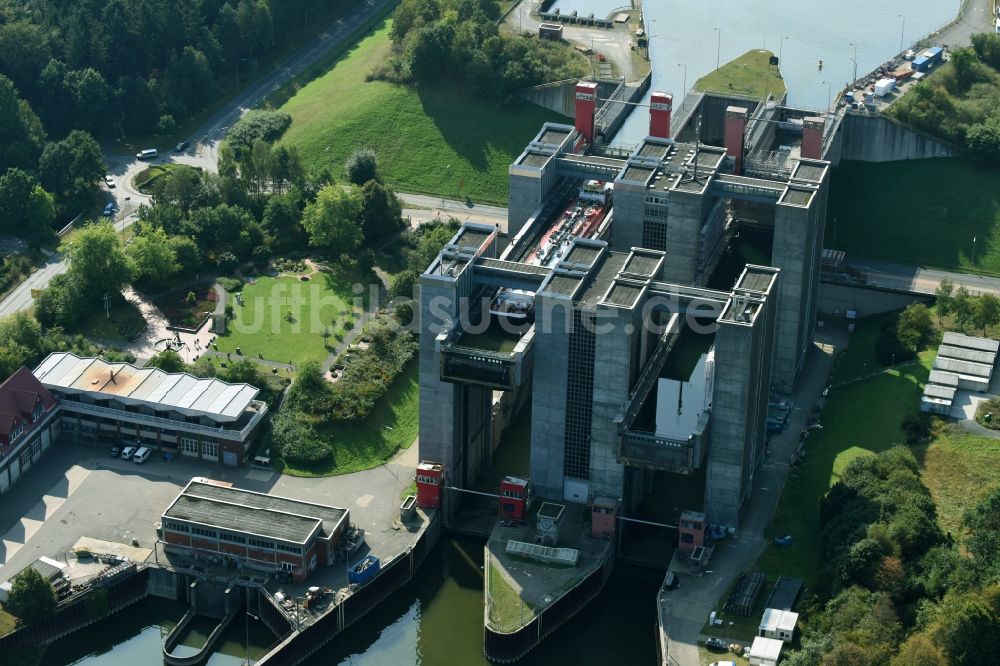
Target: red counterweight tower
(430,479)
(661,106)
(586,107)
(691,531)
(515,498)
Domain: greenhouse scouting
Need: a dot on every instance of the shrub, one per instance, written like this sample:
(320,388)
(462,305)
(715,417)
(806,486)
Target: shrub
(254,125)
(297,441)
(31,598)
(230,284)
(361,166)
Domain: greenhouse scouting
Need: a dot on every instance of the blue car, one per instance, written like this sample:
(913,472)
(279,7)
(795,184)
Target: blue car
(109,210)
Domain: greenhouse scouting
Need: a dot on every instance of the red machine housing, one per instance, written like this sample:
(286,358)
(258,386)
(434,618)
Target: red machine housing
(586,107)
(515,498)
(691,531)
(661,106)
(603,515)
(736,127)
(430,479)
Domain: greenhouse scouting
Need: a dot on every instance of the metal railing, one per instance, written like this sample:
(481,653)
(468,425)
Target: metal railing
(97,410)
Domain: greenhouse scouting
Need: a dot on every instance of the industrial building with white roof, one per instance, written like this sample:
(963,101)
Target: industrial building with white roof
(119,403)
(963,363)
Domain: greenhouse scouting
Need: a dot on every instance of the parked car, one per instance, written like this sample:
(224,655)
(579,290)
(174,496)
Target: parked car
(127,452)
(715,644)
(141,455)
(182,146)
(109,210)
(115,451)
(146,154)
(109,181)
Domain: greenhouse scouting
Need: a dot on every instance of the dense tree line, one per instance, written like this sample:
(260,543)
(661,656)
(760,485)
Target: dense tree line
(91,64)
(449,39)
(961,103)
(900,591)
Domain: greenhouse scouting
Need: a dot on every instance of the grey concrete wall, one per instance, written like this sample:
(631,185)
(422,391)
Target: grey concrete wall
(876,138)
(836,299)
(687,210)
(164,584)
(614,357)
(438,400)
(713,118)
(548,400)
(626,232)
(559,96)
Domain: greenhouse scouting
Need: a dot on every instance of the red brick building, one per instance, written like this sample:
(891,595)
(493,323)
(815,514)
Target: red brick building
(215,521)
(28,424)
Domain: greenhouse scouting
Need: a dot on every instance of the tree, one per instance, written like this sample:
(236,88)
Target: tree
(31,598)
(154,257)
(987,312)
(919,650)
(963,306)
(332,219)
(21,342)
(25,208)
(382,212)
(71,167)
(21,134)
(914,326)
(186,253)
(982,523)
(167,360)
(944,297)
(361,166)
(967,630)
(98,263)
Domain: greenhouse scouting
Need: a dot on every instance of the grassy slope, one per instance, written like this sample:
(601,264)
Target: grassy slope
(959,468)
(924,212)
(750,74)
(324,299)
(860,418)
(392,425)
(508,610)
(428,139)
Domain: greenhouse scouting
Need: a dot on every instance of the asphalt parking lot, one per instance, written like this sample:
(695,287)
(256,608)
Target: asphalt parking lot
(77,491)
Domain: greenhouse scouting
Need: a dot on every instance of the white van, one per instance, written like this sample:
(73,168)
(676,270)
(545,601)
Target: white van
(141,455)
(147,154)
(127,452)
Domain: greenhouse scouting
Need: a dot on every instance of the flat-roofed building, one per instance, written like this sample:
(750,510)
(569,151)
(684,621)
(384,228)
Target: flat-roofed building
(779,624)
(213,520)
(119,403)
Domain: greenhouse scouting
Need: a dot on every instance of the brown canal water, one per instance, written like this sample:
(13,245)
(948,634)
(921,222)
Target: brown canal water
(435,621)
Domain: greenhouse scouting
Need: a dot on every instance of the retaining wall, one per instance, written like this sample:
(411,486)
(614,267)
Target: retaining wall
(79,613)
(394,575)
(838,298)
(507,648)
(877,138)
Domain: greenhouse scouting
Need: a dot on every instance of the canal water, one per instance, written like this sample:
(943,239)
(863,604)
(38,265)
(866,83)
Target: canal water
(683,36)
(436,621)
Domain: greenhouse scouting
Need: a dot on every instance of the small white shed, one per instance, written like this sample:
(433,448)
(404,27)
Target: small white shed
(765,651)
(780,624)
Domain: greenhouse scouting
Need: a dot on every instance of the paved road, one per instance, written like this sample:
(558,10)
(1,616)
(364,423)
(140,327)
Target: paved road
(974,16)
(686,609)
(420,208)
(917,279)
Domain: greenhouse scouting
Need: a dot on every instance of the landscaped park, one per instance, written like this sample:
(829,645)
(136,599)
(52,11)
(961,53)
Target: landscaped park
(437,139)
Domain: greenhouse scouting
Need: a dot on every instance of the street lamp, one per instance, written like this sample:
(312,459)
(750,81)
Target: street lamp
(718,47)
(902,30)
(684,89)
(973,250)
(829,94)
(855,61)
(781,48)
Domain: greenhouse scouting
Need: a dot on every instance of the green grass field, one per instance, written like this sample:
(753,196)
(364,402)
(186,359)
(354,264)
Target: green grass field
(392,425)
(507,611)
(262,325)
(145,181)
(959,468)
(860,360)
(860,418)
(923,212)
(437,140)
(750,74)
